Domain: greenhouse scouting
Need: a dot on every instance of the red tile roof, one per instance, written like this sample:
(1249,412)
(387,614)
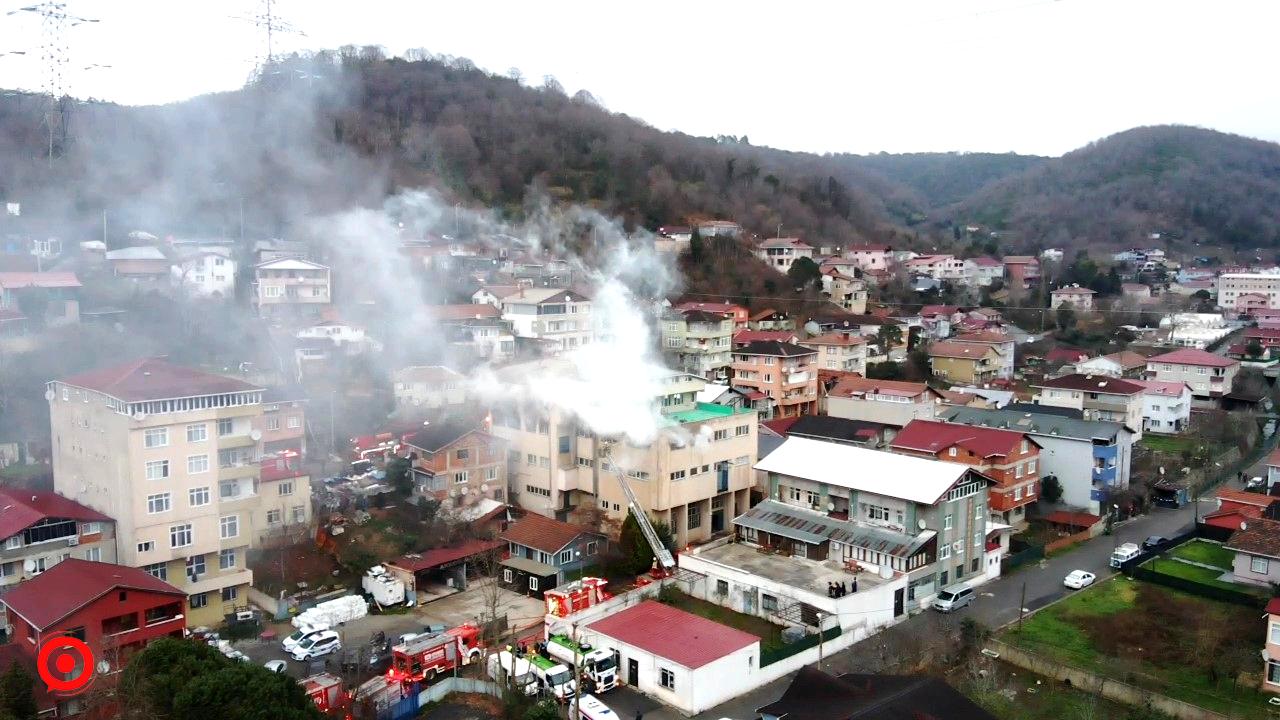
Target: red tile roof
(47,280)
(155,379)
(20,510)
(781,425)
(1257,537)
(1074,519)
(836,338)
(1128,359)
(1267,333)
(1162,388)
(1232,518)
(683,638)
(1240,497)
(542,533)
(959,350)
(856,386)
(933,437)
(1192,356)
(729,308)
(463,312)
(1104,384)
(742,337)
(430,559)
(938,310)
(72,584)
(1273,606)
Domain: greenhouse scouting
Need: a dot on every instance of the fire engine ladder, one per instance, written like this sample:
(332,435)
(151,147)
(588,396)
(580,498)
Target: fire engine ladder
(660,551)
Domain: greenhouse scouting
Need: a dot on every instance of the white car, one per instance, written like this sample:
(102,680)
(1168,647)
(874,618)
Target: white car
(1079,579)
(321,643)
(302,633)
(276,666)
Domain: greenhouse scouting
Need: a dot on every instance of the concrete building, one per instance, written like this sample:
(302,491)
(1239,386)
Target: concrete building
(781,253)
(561,318)
(39,529)
(55,295)
(845,290)
(845,351)
(787,373)
(740,315)
(172,454)
(143,263)
(1089,458)
(291,287)
(1002,343)
(1233,286)
(1209,376)
(1166,406)
(1257,548)
(1097,397)
(938,267)
(889,402)
(699,342)
(969,363)
(207,272)
(1079,298)
(429,386)
(870,257)
(983,270)
(1021,270)
(283,423)
(556,463)
(457,463)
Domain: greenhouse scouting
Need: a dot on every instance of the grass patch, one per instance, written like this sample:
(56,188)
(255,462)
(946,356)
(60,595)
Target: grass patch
(1171,444)
(1195,573)
(770,635)
(1205,552)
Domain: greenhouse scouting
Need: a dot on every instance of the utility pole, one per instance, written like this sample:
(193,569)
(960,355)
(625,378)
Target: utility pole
(576,713)
(104,226)
(1022,605)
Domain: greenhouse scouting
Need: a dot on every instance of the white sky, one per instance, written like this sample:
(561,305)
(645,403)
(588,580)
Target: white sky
(1031,76)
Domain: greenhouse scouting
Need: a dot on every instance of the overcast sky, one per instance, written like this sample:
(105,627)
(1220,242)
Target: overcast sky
(1029,76)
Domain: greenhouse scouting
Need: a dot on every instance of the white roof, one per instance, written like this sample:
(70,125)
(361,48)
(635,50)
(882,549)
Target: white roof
(291,264)
(863,470)
(711,391)
(140,252)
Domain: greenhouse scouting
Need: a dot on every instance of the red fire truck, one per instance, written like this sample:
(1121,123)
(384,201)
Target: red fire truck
(325,690)
(426,656)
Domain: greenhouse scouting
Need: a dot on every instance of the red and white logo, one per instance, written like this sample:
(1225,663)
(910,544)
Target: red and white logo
(65,664)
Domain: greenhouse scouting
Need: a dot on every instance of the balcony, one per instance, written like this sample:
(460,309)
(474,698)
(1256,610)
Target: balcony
(232,442)
(1117,408)
(239,472)
(231,491)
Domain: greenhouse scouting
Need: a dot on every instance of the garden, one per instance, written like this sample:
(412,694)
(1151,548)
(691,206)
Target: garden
(1202,562)
(1186,647)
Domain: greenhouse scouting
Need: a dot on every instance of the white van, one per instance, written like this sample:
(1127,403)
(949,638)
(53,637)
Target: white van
(590,708)
(953,597)
(1124,553)
(500,670)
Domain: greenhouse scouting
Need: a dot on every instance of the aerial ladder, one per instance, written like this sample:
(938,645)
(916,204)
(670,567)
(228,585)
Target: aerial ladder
(662,556)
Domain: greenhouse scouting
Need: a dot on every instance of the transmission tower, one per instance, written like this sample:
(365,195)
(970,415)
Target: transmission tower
(267,20)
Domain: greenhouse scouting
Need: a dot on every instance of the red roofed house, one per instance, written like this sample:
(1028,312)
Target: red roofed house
(1257,548)
(786,372)
(891,402)
(746,337)
(684,660)
(1001,342)
(1209,375)
(1271,649)
(543,553)
(870,257)
(1010,458)
(845,351)
(1099,397)
(115,610)
(1273,469)
(56,293)
(739,313)
(983,270)
(1268,338)
(1236,508)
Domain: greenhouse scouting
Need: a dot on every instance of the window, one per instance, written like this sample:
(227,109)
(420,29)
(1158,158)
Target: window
(144,547)
(299,514)
(198,497)
(159,570)
(273,517)
(273,423)
(1017,493)
(197,464)
(944,552)
(1025,447)
(155,437)
(195,565)
(768,603)
(93,554)
(977,538)
(461,454)
(461,478)
(197,433)
(973,566)
(228,490)
(198,600)
(39,565)
(13,543)
(91,528)
(229,526)
(225,426)
(1017,470)
(492,473)
(1258,565)
(1274,633)
(1031,489)
(531,459)
(544,461)
(158,503)
(695,517)
(566,556)
(506,575)
(226,559)
(591,548)
(228,594)
(180,535)
(720,435)
(563,444)
(157,469)
(294,422)
(742,430)
(874,512)
(285,487)
(533,583)
(952,452)
(666,678)
(677,475)
(948,522)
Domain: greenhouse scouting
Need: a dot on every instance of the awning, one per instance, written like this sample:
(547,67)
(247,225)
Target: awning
(532,567)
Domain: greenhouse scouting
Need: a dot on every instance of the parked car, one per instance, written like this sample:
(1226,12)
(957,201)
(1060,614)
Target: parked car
(276,666)
(302,633)
(1255,483)
(1077,579)
(953,597)
(322,643)
(1152,542)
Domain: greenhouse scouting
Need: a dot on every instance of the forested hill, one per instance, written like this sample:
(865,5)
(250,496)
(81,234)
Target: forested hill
(942,179)
(1187,183)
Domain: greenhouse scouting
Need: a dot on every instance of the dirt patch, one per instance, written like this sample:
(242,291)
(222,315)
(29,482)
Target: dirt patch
(282,568)
(466,706)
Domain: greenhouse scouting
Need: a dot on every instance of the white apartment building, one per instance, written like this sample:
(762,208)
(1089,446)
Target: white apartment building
(172,454)
(1075,296)
(560,317)
(1208,375)
(1166,406)
(207,273)
(700,341)
(845,351)
(1233,285)
(1098,397)
(938,267)
(291,285)
(983,270)
(781,253)
(429,386)
(870,257)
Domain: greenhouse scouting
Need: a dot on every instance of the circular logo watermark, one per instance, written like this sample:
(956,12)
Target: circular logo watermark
(65,664)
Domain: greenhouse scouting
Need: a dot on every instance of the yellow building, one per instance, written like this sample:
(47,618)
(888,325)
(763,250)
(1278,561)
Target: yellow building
(965,363)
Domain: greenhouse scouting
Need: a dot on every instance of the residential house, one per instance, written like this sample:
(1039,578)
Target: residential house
(1001,342)
(544,553)
(1125,364)
(140,263)
(1237,508)
(770,319)
(833,429)
(1208,375)
(39,529)
(815,695)
(560,318)
(556,463)
(781,253)
(116,611)
(1166,406)
(291,287)
(938,267)
(429,386)
(742,338)
(1268,338)
(53,297)
(1136,292)
(719,228)
(836,320)
(1076,297)
(172,454)
(845,351)
(493,294)
(1098,398)
(889,402)
(1257,552)
(785,372)
(1009,458)
(265,251)
(1021,270)
(699,342)
(341,334)
(848,292)
(1271,648)
(207,272)
(285,507)
(962,362)
(1089,458)
(1233,286)
(870,257)
(984,270)
(739,314)
(457,463)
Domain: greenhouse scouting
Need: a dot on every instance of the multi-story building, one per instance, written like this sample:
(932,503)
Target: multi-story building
(938,267)
(740,315)
(845,351)
(870,257)
(560,318)
(696,475)
(845,290)
(1021,270)
(1011,459)
(1089,458)
(172,454)
(1076,297)
(1166,406)
(1001,342)
(208,272)
(699,342)
(889,402)
(968,363)
(429,386)
(283,423)
(1233,286)
(1098,397)
(1271,648)
(1208,375)
(39,529)
(285,489)
(983,270)
(781,253)
(291,286)
(457,463)
(787,373)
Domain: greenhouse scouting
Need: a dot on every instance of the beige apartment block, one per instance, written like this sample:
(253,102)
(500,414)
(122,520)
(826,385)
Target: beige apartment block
(291,286)
(172,454)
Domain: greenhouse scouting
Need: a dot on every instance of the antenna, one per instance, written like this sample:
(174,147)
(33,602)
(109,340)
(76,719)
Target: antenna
(270,23)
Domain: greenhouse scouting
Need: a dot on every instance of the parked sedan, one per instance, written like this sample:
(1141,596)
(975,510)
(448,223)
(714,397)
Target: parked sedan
(317,645)
(1079,579)
(1153,542)
(276,666)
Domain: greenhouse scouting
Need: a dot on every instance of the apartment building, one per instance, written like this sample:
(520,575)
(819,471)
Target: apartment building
(1098,397)
(781,253)
(1001,342)
(785,372)
(1271,648)
(889,402)
(1234,286)
(699,342)
(207,272)
(560,318)
(848,292)
(291,286)
(172,454)
(39,529)
(457,463)
(938,267)
(1011,459)
(696,475)
(1021,270)
(1075,297)
(870,257)
(428,386)
(846,351)
(983,270)
(283,423)
(739,313)
(285,491)
(1166,406)
(968,363)
(1209,376)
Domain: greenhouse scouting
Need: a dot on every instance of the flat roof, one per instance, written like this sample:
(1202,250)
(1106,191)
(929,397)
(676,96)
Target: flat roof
(808,575)
(704,412)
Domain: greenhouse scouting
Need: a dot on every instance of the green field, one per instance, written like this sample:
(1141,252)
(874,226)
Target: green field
(1204,552)
(1171,444)
(1195,573)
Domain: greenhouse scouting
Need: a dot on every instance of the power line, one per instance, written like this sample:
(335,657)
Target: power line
(821,301)
(270,22)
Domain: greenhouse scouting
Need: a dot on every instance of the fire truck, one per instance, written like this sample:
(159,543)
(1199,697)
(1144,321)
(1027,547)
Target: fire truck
(426,656)
(325,690)
(577,595)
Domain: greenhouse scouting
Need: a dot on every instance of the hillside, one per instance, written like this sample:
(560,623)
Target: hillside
(941,179)
(1187,183)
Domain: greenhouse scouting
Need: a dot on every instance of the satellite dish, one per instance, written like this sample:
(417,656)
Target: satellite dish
(484,487)
(139,416)
(29,565)
(921,523)
(49,395)
(465,490)
(104,667)
(255,434)
(831,507)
